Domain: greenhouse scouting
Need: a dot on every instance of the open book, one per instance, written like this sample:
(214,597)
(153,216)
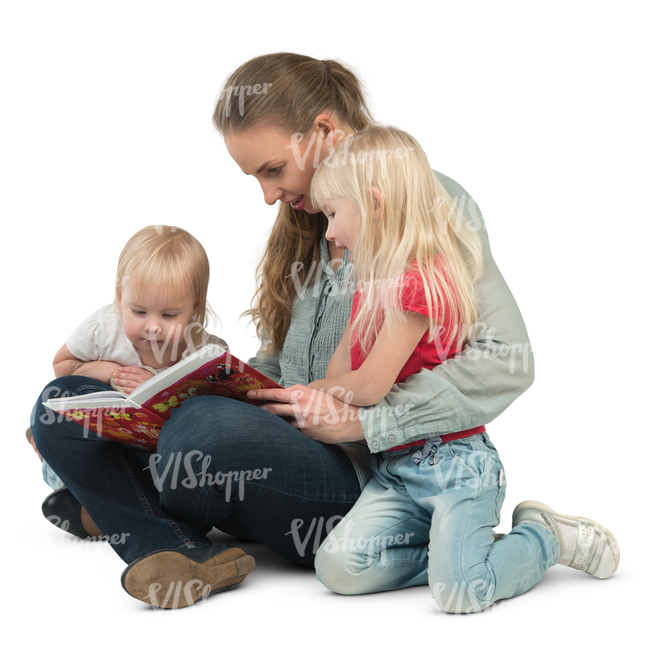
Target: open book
(136,419)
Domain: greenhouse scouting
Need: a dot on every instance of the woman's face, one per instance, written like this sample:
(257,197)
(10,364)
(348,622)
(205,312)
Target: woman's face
(283,163)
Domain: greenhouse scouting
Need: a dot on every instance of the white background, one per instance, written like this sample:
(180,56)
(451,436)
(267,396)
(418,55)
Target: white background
(538,109)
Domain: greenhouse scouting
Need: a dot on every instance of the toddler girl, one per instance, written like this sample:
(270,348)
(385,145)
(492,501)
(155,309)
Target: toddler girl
(429,511)
(158,315)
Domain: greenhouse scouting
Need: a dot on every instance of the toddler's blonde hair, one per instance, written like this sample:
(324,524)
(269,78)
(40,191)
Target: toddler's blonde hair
(165,257)
(419,229)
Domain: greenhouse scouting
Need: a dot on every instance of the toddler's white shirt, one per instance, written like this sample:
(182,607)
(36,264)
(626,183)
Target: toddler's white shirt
(101,337)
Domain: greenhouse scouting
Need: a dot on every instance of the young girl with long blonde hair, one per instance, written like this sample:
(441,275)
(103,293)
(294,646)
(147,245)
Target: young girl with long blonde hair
(417,260)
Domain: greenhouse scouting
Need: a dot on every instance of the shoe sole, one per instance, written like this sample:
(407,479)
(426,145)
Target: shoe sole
(178,581)
(609,539)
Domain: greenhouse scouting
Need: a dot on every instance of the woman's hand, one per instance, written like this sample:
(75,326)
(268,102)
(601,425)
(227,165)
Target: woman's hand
(317,414)
(128,378)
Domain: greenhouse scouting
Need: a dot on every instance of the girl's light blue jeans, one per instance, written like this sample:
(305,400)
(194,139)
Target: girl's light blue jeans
(434,522)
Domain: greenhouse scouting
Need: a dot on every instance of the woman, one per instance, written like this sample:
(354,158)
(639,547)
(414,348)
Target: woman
(280,114)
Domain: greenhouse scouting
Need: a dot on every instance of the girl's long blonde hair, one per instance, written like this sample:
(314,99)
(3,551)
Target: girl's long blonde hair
(419,229)
(287,91)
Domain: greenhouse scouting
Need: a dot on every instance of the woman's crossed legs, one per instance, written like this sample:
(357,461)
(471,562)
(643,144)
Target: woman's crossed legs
(219,463)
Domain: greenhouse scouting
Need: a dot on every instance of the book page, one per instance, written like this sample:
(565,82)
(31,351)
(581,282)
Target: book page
(145,391)
(90,400)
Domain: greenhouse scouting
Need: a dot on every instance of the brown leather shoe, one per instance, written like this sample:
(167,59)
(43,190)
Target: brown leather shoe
(172,579)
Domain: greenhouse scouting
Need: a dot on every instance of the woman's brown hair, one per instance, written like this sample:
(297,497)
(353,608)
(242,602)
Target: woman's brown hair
(287,91)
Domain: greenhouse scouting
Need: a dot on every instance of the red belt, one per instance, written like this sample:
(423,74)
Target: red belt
(448,437)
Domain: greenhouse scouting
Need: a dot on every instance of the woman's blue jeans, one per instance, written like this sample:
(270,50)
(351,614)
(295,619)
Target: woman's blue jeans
(219,463)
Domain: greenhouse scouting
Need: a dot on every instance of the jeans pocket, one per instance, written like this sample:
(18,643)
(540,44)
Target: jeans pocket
(471,459)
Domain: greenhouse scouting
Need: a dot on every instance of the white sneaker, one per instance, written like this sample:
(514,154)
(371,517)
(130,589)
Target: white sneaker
(584,544)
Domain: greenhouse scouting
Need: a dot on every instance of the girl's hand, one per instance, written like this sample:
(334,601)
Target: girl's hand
(316,414)
(128,378)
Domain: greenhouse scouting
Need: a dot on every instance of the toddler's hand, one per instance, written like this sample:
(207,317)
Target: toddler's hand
(114,386)
(128,378)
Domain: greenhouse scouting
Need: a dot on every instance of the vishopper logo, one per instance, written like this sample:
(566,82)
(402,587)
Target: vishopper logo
(98,419)
(64,525)
(341,543)
(380,284)
(376,544)
(314,532)
(483,344)
(343,283)
(463,597)
(241,92)
(52,417)
(191,591)
(194,338)
(462,471)
(464,213)
(341,156)
(203,477)
(324,408)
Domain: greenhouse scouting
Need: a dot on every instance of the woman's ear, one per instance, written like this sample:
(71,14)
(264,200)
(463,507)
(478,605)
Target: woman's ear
(326,125)
(377,202)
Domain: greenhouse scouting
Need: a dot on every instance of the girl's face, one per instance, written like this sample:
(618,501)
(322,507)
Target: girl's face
(155,323)
(283,163)
(343,223)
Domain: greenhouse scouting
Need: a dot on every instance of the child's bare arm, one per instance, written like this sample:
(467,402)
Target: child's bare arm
(65,363)
(372,382)
(340,362)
